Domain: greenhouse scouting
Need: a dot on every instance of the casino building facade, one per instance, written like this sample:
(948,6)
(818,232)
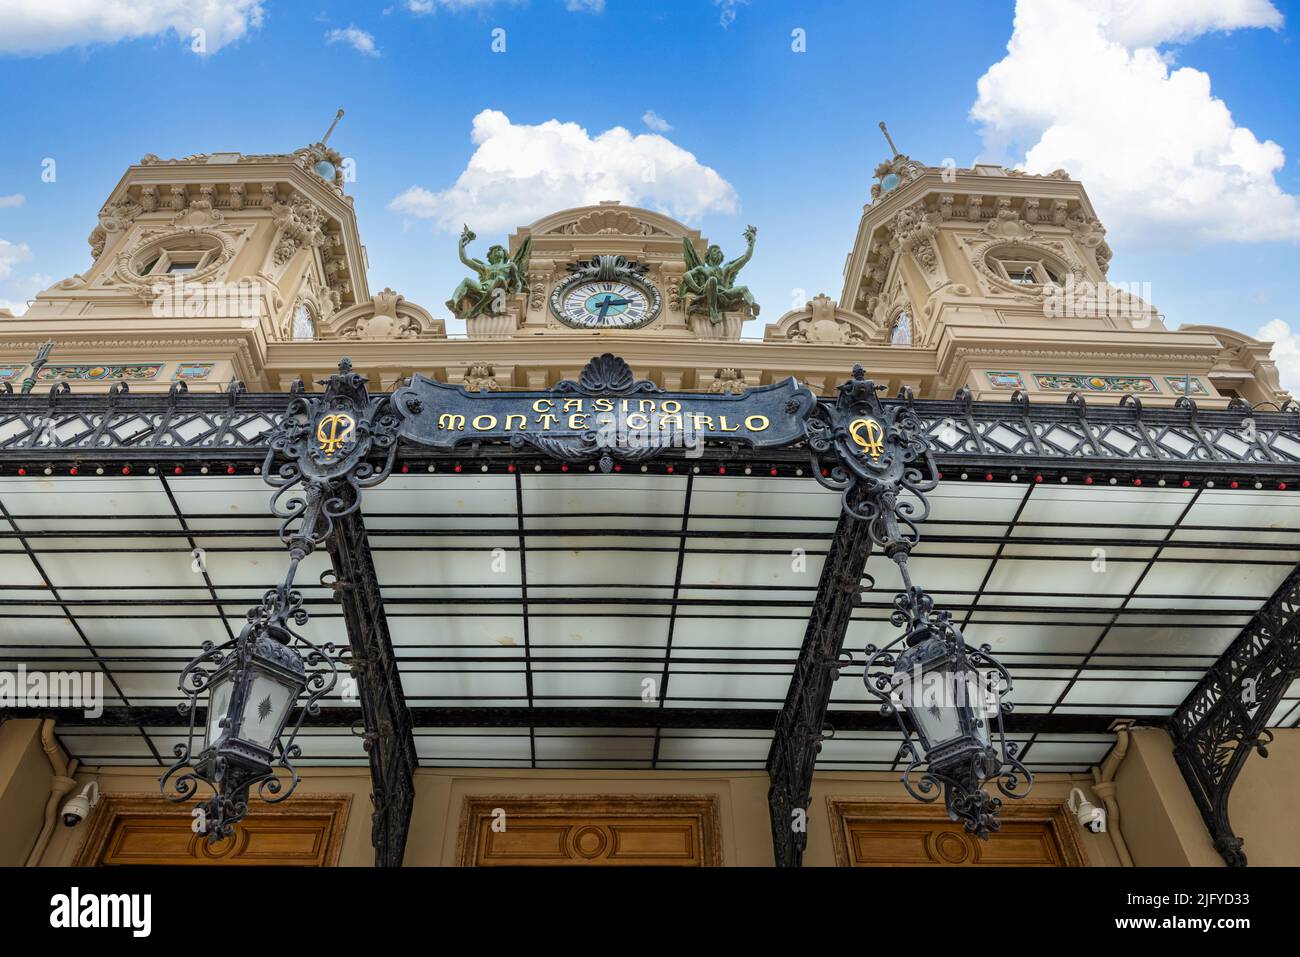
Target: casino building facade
(624,573)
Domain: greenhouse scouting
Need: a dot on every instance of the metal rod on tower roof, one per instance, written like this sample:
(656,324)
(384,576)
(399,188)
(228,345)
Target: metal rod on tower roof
(337,116)
(889,138)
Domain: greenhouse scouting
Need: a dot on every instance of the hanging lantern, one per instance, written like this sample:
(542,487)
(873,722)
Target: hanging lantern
(250,686)
(951,697)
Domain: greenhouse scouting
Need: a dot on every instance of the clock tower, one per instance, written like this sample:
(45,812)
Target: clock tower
(607,270)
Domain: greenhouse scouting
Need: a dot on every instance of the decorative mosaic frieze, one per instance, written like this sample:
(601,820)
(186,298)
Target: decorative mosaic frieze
(1070,382)
(1005,380)
(193,370)
(1178,384)
(134,372)
(8,372)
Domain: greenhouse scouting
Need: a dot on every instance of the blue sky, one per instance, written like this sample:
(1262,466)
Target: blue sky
(791,136)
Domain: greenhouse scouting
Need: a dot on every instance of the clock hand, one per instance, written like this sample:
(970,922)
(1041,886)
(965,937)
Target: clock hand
(606,303)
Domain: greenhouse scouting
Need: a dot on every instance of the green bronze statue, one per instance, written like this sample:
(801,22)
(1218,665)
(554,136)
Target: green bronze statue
(709,287)
(501,276)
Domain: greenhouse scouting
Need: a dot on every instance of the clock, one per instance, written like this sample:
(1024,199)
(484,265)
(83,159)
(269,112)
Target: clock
(623,301)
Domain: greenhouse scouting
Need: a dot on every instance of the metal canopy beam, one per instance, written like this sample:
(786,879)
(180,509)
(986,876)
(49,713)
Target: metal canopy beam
(799,724)
(1225,716)
(388,738)
(701,719)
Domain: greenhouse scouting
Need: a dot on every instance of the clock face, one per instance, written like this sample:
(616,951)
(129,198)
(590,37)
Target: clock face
(600,304)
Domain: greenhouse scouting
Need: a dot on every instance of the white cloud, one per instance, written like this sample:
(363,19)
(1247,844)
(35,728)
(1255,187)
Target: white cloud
(1084,83)
(584,6)
(358,39)
(13,199)
(425,7)
(519,173)
(12,254)
(1286,352)
(656,122)
(43,26)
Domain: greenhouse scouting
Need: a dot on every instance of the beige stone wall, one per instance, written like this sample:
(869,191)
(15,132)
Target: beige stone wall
(1164,828)
(25,775)
(1263,804)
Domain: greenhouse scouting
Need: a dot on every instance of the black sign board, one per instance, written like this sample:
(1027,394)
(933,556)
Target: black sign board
(606,414)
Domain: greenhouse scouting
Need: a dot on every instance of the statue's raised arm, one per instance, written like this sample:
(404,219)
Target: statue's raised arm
(733,268)
(466,237)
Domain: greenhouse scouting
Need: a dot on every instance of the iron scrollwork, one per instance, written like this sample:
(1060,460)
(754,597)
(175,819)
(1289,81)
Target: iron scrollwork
(325,446)
(1224,718)
(876,454)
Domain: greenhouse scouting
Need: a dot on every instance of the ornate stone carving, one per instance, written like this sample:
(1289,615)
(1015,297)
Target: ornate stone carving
(609,222)
(149,198)
(236,195)
(301,224)
(1008,226)
(384,322)
(536,290)
(821,322)
(481,378)
(914,233)
(1089,233)
(118,215)
(200,215)
(728,382)
(97,239)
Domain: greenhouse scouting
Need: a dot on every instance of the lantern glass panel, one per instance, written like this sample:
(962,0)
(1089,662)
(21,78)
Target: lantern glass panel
(929,702)
(218,705)
(265,709)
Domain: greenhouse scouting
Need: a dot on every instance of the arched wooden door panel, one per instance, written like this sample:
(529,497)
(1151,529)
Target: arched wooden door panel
(909,834)
(143,829)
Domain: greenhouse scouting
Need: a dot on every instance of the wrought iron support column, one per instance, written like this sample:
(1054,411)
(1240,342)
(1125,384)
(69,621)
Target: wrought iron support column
(389,739)
(799,725)
(1224,718)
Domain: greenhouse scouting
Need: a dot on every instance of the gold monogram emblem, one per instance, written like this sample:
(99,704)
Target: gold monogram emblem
(333,432)
(872,443)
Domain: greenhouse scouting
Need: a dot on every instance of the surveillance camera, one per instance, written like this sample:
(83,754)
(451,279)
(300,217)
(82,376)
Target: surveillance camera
(1086,813)
(77,808)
